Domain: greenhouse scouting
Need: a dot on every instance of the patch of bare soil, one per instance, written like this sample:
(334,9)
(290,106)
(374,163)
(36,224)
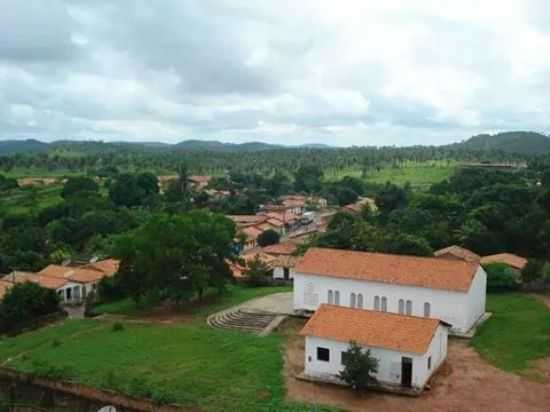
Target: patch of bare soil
(466,383)
(544,298)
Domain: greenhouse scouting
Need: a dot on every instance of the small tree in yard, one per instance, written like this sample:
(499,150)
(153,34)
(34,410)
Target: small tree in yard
(258,272)
(269,237)
(359,366)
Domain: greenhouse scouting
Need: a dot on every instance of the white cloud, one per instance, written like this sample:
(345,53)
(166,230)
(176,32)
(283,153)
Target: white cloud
(329,71)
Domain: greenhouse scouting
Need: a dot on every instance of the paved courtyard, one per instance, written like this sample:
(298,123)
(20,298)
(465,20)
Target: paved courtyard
(278,303)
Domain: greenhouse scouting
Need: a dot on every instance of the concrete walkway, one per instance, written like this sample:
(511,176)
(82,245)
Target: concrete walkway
(278,303)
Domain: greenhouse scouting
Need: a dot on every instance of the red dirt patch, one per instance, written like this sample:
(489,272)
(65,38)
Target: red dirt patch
(466,383)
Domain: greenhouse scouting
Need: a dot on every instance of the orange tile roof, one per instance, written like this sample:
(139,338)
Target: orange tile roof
(78,275)
(49,282)
(423,272)
(285,261)
(358,206)
(284,248)
(108,266)
(458,252)
(252,232)
(517,262)
(373,329)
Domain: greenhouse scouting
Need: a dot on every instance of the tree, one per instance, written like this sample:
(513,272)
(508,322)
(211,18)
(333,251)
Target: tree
(176,255)
(359,367)
(258,272)
(268,237)
(7,183)
(391,197)
(532,271)
(24,302)
(77,185)
(500,277)
(308,179)
(345,196)
(404,244)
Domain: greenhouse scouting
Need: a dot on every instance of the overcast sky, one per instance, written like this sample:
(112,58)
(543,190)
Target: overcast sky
(336,72)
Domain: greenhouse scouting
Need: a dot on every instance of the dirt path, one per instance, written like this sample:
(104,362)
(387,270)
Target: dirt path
(465,384)
(544,298)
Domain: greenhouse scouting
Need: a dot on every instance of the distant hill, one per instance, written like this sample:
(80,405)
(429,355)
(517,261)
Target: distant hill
(528,143)
(22,146)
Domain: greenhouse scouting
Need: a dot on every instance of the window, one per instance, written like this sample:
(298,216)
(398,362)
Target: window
(377,303)
(429,363)
(401,306)
(344,358)
(384,304)
(336,298)
(409,307)
(330,297)
(352,300)
(426,310)
(323,354)
(360,300)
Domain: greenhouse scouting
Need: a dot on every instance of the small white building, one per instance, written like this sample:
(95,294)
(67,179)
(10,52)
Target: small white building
(408,349)
(451,290)
(285,260)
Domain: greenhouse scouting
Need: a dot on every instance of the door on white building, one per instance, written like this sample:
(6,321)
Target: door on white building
(406,371)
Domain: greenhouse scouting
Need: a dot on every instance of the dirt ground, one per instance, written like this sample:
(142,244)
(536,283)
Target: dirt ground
(466,383)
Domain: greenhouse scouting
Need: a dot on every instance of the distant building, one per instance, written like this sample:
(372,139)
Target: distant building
(285,261)
(513,261)
(457,252)
(357,207)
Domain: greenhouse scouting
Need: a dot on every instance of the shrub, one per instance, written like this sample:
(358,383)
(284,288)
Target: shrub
(359,367)
(501,277)
(258,273)
(269,237)
(117,327)
(532,271)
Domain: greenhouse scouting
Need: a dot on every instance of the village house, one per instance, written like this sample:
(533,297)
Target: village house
(409,349)
(199,182)
(285,261)
(457,252)
(357,207)
(515,262)
(69,291)
(450,290)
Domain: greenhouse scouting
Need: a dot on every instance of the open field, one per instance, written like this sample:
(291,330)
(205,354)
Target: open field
(517,334)
(22,201)
(419,175)
(191,364)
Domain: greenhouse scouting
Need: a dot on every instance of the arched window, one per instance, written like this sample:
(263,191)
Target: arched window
(409,307)
(384,304)
(427,310)
(377,303)
(330,297)
(360,300)
(336,297)
(401,309)
(352,300)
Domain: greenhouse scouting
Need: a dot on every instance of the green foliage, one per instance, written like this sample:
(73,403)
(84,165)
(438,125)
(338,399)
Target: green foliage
(25,302)
(500,277)
(359,367)
(268,237)
(118,327)
(133,190)
(532,271)
(177,255)
(79,185)
(308,179)
(391,197)
(7,183)
(257,272)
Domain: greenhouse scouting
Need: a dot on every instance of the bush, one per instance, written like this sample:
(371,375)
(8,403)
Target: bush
(25,302)
(109,289)
(258,273)
(118,327)
(532,271)
(500,277)
(269,237)
(358,367)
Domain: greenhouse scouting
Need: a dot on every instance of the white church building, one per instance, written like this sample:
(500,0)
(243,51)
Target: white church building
(452,291)
(408,349)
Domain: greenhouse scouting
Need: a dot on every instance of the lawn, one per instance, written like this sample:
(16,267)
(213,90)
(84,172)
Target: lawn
(191,364)
(26,200)
(419,174)
(234,295)
(517,333)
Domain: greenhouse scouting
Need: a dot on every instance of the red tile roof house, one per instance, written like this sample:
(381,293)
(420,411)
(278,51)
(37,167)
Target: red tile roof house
(513,261)
(450,290)
(68,290)
(457,252)
(285,261)
(409,349)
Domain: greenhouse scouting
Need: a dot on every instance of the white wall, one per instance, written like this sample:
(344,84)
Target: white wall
(278,273)
(389,361)
(455,308)
(477,296)
(76,296)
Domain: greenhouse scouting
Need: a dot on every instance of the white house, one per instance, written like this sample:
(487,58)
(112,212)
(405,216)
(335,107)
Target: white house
(70,292)
(445,289)
(285,261)
(408,349)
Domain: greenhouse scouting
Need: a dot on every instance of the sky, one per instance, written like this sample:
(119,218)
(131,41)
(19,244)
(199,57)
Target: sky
(337,72)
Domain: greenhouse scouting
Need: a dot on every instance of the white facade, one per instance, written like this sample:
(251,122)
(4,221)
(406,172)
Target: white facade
(282,273)
(390,362)
(71,293)
(459,309)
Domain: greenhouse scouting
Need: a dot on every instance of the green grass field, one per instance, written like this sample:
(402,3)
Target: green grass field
(419,175)
(517,333)
(190,364)
(26,200)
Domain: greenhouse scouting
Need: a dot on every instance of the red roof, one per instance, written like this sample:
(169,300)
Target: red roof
(422,272)
(372,328)
(514,261)
(284,248)
(457,252)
